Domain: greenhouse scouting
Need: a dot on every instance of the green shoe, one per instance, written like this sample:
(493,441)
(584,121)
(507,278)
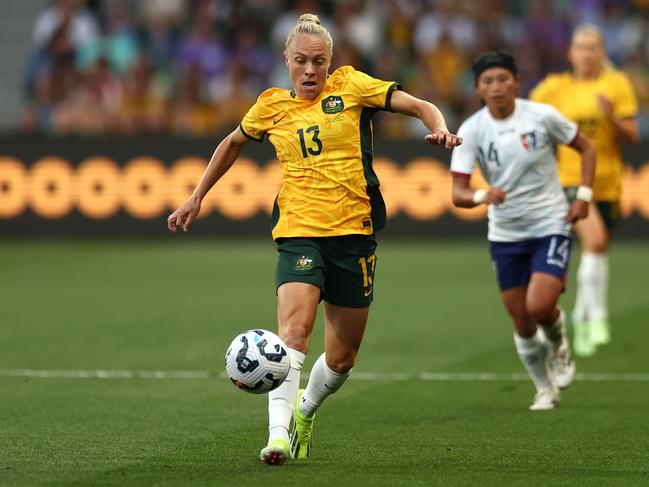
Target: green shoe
(276,453)
(582,343)
(302,432)
(599,333)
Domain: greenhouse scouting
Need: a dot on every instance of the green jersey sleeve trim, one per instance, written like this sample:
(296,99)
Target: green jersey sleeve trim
(388,97)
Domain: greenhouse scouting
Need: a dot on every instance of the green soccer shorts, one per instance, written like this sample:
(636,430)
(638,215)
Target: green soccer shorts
(342,267)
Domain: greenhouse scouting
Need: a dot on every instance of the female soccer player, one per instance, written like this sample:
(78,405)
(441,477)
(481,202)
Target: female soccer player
(513,140)
(601,101)
(325,215)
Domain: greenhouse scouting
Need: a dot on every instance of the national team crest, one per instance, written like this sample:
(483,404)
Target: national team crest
(333,104)
(529,141)
(304,263)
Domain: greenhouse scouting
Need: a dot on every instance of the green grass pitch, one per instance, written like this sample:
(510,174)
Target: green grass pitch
(174,305)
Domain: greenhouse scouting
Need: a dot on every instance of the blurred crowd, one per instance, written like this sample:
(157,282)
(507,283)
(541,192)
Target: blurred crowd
(193,67)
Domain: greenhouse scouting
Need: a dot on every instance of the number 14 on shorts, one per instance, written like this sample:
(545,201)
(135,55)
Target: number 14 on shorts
(558,253)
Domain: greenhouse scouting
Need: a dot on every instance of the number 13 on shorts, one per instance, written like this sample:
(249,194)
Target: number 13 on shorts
(367,266)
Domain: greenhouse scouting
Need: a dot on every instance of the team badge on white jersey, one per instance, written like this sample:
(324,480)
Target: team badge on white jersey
(529,141)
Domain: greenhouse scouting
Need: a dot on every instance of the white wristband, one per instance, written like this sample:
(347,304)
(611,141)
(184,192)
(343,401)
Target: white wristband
(584,193)
(479,195)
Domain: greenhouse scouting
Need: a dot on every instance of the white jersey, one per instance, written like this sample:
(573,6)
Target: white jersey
(517,155)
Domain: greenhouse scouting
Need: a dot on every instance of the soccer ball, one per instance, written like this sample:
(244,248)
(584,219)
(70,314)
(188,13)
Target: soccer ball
(257,361)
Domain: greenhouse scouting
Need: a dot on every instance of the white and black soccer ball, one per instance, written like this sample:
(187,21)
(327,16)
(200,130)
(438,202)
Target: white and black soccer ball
(257,361)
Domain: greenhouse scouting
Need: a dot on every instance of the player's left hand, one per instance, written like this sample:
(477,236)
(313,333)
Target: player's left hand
(578,211)
(605,104)
(444,137)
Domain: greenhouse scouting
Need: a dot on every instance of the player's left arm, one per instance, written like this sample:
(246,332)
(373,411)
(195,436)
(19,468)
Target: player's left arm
(429,114)
(626,128)
(579,207)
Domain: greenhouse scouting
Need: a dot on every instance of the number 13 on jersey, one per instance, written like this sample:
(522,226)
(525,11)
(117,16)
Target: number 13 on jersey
(314,131)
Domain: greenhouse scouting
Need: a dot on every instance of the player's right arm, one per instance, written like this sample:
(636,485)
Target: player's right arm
(466,197)
(221,161)
(462,162)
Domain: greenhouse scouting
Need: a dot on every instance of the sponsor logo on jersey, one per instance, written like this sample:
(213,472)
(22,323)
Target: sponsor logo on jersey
(529,141)
(333,104)
(277,120)
(304,263)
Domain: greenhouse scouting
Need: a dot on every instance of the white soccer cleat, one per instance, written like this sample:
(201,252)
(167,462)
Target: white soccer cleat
(563,366)
(545,399)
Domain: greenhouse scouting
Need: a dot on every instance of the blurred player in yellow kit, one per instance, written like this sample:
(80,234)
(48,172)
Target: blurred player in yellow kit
(601,101)
(324,219)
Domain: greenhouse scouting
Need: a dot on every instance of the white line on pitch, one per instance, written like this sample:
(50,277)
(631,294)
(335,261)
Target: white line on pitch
(366,376)
(107,374)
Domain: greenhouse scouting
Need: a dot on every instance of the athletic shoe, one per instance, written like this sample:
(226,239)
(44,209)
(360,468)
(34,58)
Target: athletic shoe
(599,333)
(563,366)
(276,453)
(545,399)
(583,345)
(302,432)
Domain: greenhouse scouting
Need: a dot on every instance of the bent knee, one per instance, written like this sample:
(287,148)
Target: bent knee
(296,336)
(595,242)
(342,364)
(596,246)
(541,312)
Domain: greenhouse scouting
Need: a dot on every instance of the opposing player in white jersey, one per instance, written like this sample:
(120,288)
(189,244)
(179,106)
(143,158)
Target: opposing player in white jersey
(514,141)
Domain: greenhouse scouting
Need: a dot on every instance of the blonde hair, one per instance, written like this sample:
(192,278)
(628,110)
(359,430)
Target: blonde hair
(309,24)
(593,30)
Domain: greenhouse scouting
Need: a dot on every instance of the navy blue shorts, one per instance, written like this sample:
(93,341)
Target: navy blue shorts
(514,262)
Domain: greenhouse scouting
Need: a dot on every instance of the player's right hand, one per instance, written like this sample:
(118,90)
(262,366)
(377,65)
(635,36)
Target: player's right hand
(185,215)
(494,196)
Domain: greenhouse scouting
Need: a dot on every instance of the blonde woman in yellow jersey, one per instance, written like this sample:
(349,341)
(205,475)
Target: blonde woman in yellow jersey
(325,215)
(600,99)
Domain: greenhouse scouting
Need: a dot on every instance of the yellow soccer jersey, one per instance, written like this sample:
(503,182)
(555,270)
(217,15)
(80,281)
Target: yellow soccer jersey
(324,147)
(577,101)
